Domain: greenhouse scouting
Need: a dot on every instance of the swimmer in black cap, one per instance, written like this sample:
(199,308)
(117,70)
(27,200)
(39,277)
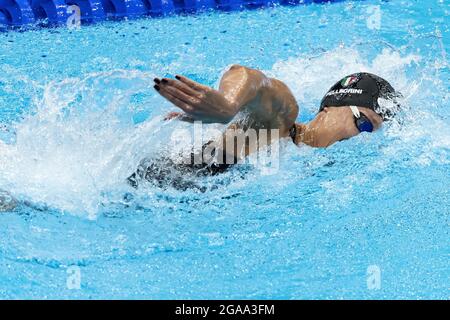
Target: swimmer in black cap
(350,107)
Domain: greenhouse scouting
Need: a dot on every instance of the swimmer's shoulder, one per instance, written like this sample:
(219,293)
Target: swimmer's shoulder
(285,103)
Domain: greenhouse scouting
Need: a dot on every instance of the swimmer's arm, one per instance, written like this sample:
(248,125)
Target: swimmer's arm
(238,87)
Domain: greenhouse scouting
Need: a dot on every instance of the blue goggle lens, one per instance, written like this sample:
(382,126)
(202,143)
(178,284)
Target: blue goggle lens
(363,124)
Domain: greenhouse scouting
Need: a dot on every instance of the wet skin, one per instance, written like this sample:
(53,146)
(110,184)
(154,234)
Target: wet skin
(266,103)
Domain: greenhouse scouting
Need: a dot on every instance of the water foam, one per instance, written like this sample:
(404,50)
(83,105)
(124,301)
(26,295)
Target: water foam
(79,143)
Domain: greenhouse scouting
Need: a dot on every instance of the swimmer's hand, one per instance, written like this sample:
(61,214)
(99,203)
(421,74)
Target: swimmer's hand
(199,102)
(179,116)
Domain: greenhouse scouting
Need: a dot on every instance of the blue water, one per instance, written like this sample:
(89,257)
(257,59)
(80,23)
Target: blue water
(78,113)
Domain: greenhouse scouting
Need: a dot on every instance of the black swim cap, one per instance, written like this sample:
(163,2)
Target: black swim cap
(363,90)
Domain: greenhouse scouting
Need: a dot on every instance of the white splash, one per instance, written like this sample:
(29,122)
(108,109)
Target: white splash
(80,142)
(310,77)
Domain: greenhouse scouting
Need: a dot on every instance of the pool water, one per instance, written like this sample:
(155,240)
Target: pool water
(78,113)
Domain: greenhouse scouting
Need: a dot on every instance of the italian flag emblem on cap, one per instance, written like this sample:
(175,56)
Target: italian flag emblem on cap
(348,81)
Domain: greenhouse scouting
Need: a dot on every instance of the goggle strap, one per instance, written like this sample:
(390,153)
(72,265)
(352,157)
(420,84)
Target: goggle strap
(355,111)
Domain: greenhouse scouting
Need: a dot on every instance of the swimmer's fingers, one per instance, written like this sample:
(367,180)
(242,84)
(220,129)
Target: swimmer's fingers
(173,115)
(166,82)
(179,116)
(177,93)
(192,84)
(176,101)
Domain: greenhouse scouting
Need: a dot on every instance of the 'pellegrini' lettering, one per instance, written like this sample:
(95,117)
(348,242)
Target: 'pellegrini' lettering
(344,91)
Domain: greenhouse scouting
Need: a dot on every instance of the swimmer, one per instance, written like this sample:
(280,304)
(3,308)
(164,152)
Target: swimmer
(348,108)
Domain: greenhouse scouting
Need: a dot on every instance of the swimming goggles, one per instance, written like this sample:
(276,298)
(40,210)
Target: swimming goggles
(361,121)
